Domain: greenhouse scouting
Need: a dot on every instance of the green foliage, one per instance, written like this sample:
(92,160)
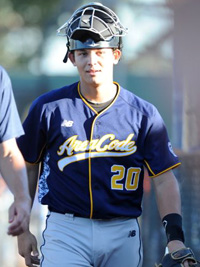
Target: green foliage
(24,26)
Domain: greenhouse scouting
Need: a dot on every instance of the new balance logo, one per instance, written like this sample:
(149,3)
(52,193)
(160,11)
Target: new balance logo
(132,233)
(67,123)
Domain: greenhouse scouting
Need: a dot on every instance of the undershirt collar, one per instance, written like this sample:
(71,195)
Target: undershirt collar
(99,106)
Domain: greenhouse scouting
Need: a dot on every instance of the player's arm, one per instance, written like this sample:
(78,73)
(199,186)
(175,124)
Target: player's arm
(169,204)
(33,171)
(168,200)
(13,170)
(27,243)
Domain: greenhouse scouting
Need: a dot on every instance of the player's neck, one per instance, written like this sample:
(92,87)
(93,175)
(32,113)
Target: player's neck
(99,94)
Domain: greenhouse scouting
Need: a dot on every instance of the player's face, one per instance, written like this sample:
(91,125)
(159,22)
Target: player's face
(95,66)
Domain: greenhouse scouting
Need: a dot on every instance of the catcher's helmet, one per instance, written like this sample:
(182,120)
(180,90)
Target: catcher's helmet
(93,26)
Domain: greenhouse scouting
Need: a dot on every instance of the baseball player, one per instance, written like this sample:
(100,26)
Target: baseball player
(92,140)
(12,165)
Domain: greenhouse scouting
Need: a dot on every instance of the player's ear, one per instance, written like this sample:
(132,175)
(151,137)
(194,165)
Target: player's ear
(117,55)
(72,58)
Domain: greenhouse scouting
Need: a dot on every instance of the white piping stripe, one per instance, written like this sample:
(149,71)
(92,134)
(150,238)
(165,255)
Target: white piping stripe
(67,160)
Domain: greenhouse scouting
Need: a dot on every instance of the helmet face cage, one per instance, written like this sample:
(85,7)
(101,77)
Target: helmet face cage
(95,22)
(96,18)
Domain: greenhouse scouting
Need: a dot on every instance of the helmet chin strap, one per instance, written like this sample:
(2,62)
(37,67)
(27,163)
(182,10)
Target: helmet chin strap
(66,56)
(67,53)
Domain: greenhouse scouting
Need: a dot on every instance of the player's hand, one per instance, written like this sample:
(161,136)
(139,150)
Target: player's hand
(27,247)
(176,245)
(19,216)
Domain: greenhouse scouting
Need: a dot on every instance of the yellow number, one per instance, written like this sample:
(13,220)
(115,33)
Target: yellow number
(131,178)
(117,177)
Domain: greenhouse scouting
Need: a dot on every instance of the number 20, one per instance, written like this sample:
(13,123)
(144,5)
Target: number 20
(132,178)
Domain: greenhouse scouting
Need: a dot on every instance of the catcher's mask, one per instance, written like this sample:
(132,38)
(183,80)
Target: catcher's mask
(92,26)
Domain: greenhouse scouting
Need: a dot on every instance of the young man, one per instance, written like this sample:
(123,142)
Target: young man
(12,165)
(93,140)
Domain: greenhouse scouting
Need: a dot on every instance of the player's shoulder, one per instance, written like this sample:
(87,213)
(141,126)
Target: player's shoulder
(2,71)
(68,91)
(4,78)
(136,102)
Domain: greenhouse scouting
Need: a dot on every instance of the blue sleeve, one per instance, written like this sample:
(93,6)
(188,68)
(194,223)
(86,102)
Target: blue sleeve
(10,123)
(159,155)
(33,143)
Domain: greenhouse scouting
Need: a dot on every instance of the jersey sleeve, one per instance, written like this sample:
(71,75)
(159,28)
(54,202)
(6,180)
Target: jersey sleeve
(10,123)
(159,155)
(32,144)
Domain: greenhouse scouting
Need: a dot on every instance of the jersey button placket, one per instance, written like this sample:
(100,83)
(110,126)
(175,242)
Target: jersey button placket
(97,124)
(96,135)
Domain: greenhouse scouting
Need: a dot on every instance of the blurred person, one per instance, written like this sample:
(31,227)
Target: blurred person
(93,139)
(8,245)
(12,165)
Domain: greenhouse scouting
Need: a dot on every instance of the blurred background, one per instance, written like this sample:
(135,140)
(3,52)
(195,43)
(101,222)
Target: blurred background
(160,63)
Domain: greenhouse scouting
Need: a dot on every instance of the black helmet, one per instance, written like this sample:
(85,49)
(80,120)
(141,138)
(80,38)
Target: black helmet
(93,26)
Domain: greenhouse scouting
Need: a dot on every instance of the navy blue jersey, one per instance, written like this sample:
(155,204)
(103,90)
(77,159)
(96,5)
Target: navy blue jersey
(10,124)
(93,163)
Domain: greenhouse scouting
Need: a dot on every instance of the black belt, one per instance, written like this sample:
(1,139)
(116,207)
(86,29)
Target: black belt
(78,215)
